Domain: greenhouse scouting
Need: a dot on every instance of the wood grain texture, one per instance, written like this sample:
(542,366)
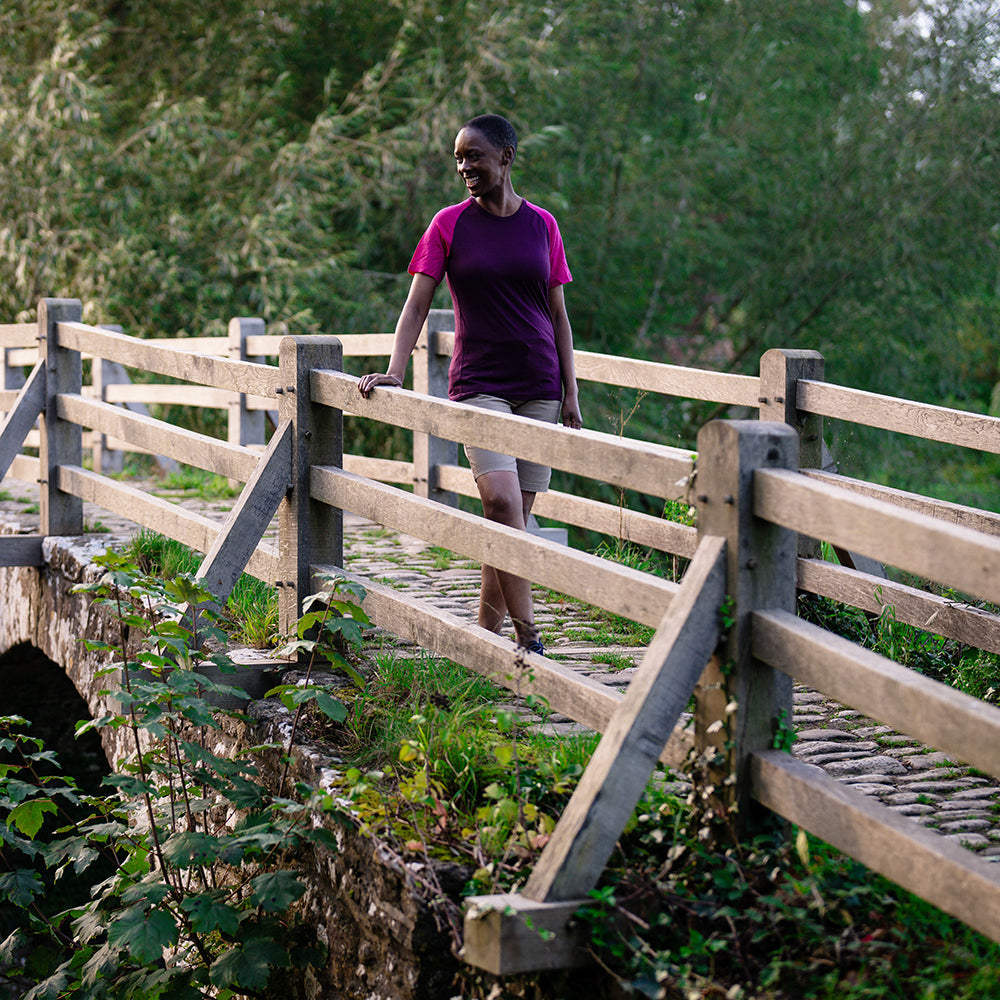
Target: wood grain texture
(199,450)
(935,714)
(930,612)
(627,592)
(953,555)
(509,934)
(959,882)
(647,468)
(159,357)
(933,423)
(968,517)
(593,820)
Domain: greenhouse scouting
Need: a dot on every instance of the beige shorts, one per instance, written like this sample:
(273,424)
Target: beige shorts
(534,478)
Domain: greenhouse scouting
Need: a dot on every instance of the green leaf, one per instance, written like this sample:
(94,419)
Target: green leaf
(29,816)
(143,934)
(209,913)
(330,707)
(504,753)
(20,886)
(248,965)
(190,848)
(276,891)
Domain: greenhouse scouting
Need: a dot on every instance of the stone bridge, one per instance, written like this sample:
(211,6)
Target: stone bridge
(382,936)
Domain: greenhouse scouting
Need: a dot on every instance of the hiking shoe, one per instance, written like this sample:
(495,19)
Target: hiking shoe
(535,647)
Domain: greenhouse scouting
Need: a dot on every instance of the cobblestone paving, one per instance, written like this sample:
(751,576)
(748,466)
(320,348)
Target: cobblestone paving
(913,780)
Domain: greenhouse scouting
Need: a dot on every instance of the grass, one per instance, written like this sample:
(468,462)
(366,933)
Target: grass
(252,604)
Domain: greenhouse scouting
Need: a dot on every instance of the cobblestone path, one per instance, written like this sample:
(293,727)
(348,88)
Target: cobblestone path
(916,781)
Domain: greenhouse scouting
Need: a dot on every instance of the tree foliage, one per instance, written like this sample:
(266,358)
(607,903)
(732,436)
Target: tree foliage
(729,175)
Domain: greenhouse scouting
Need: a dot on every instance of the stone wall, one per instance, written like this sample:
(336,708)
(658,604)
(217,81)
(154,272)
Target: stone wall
(384,942)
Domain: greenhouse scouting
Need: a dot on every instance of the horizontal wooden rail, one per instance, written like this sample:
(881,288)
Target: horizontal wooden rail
(637,596)
(670,380)
(154,356)
(969,517)
(608,519)
(939,870)
(934,423)
(359,345)
(952,555)
(18,334)
(384,470)
(935,714)
(930,612)
(185,526)
(644,467)
(653,376)
(199,450)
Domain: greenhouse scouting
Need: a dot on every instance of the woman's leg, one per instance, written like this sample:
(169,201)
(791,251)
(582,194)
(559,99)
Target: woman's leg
(505,503)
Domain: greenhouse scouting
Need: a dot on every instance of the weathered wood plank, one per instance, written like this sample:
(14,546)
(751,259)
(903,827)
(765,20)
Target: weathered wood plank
(627,592)
(384,470)
(185,526)
(593,820)
(761,558)
(609,519)
(18,334)
(21,419)
(21,550)
(968,517)
(309,531)
(226,560)
(930,612)
(156,356)
(61,440)
(507,934)
(171,395)
(363,345)
(647,468)
(946,874)
(671,380)
(934,713)
(27,468)
(950,554)
(199,450)
(933,423)
(24,357)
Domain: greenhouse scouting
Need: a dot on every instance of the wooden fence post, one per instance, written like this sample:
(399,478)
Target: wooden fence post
(430,376)
(741,702)
(780,370)
(310,532)
(245,426)
(61,440)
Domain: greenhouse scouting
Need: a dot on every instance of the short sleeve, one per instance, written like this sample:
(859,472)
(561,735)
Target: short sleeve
(559,273)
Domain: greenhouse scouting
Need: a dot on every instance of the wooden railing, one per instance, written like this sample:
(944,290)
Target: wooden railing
(758,519)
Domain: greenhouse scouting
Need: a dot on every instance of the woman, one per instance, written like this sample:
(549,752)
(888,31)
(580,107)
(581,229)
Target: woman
(504,261)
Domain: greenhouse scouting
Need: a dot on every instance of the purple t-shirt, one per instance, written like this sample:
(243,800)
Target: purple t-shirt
(499,272)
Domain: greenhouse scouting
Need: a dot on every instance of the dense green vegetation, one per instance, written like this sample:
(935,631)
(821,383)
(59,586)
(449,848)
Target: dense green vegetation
(730,176)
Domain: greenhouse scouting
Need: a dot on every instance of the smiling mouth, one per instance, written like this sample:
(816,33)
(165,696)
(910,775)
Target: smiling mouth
(471,180)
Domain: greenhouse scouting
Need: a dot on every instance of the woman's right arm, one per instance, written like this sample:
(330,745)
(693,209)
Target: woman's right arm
(408,326)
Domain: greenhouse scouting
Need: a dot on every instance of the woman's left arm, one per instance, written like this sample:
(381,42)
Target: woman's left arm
(564,347)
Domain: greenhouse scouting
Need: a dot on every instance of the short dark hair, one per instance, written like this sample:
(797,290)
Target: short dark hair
(496,128)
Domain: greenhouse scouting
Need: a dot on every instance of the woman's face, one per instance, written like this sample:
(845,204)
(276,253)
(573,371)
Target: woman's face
(480,164)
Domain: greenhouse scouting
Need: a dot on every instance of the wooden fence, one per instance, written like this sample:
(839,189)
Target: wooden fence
(761,506)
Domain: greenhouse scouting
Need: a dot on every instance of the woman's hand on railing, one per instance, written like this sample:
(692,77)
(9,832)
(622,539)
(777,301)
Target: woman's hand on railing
(368,382)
